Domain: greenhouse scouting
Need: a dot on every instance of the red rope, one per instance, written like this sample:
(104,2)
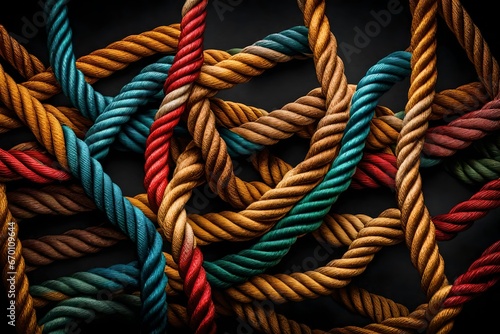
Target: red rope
(481,275)
(31,165)
(462,215)
(183,72)
(376,170)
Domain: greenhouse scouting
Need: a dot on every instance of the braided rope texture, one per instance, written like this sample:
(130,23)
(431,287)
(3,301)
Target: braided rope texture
(249,167)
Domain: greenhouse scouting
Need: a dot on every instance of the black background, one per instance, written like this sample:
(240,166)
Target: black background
(96,24)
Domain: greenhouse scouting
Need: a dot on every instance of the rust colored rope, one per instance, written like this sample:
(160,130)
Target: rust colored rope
(13,271)
(31,165)
(16,55)
(416,222)
(69,245)
(55,199)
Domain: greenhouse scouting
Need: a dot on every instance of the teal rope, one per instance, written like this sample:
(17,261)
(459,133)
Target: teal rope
(133,139)
(62,60)
(117,114)
(108,197)
(85,309)
(238,146)
(290,42)
(110,115)
(90,283)
(307,215)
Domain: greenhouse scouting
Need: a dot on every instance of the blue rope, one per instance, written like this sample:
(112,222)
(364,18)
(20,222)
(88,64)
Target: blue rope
(114,117)
(108,197)
(92,282)
(68,312)
(307,215)
(117,115)
(62,60)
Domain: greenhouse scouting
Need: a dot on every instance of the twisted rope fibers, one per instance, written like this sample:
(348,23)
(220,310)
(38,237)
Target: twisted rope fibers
(52,132)
(181,76)
(137,146)
(245,135)
(119,276)
(311,209)
(115,114)
(328,130)
(131,221)
(414,215)
(71,244)
(15,271)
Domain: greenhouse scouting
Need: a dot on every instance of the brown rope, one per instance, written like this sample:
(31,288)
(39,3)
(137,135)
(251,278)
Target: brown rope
(13,271)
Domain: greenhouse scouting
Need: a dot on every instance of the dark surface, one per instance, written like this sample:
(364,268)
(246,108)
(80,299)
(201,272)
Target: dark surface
(391,274)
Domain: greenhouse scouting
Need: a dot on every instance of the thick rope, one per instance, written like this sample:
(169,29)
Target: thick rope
(51,135)
(181,77)
(13,271)
(69,245)
(415,219)
(308,214)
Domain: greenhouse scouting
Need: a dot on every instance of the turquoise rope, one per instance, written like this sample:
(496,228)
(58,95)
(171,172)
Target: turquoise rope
(108,197)
(307,215)
(114,113)
(238,146)
(291,42)
(90,283)
(59,36)
(85,309)
(117,114)
(137,130)
(94,285)
(146,87)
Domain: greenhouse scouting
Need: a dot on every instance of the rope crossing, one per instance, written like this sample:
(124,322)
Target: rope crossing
(207,242)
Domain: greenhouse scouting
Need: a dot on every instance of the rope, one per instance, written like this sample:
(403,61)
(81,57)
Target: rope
(69,151)
(30,165)
(181,77)
(415,219)
(54,199)
(81,308)
(13,271)
(71,244)
(308,214)
(192,141)
(91,283)
(131,221)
